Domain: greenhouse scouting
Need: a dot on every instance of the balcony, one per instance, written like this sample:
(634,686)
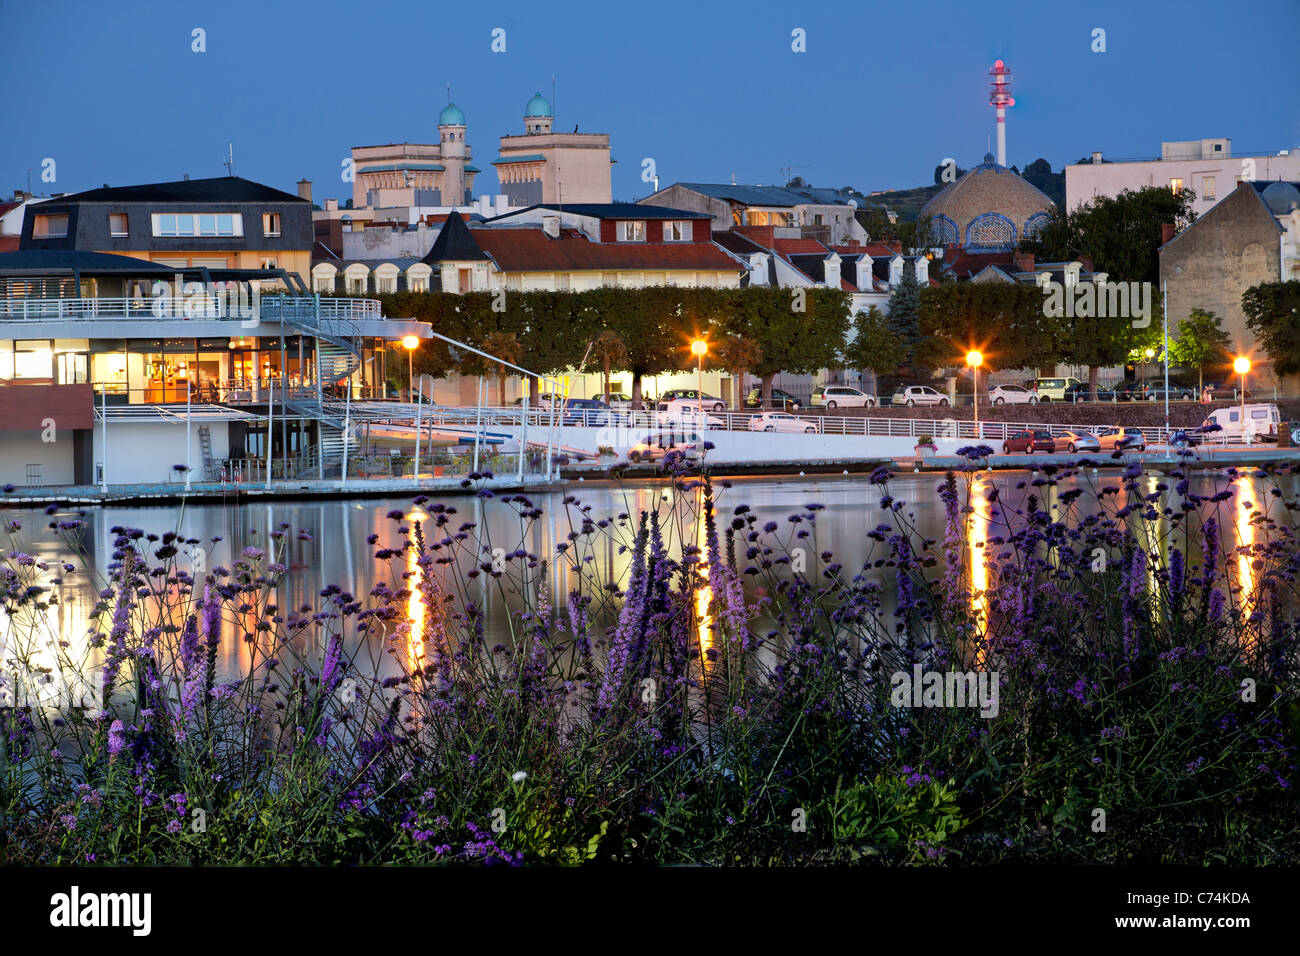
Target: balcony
(300,309)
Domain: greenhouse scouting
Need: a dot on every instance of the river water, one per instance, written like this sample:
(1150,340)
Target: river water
(336,551)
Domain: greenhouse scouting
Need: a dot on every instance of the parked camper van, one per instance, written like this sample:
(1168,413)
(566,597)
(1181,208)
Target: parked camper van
(1260,423)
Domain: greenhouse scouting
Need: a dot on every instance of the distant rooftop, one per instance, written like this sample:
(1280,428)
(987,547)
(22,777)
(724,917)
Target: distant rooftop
(218,189)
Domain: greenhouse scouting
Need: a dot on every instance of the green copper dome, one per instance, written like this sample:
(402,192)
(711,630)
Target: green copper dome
(538,106)
(452,115)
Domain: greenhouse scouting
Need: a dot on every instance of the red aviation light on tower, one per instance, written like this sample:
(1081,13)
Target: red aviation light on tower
(1000,88)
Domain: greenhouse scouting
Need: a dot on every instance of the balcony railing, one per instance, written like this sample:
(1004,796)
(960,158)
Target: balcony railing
(198,308)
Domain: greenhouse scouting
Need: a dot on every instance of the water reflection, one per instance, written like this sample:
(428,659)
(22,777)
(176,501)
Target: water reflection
(977,534)
(336,552)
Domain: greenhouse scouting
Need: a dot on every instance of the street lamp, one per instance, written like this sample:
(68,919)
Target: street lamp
(699,348)
(975,360)
(410,343)
(1241,366)
(1150,354)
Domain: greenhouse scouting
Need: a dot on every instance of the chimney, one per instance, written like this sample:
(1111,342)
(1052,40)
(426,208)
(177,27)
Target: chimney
(1167,231)
(304,189)
(758,268)
(1096,157)
(922,270)
(331,205)
(831,271)
(187,177)
(551,226)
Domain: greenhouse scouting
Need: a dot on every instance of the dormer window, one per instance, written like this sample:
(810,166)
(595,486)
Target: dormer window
(677,230)
(631,230)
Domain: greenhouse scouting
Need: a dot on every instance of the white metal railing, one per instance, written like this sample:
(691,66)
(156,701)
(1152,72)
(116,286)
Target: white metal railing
(209,308)
(886,427)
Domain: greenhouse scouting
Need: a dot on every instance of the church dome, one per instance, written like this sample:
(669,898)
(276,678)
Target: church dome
(989,208)
(451,115)
(538,106)
(1281,198)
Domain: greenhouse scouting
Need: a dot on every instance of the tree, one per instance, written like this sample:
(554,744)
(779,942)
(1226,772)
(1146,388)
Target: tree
(1121,234)
(609,350)
(738,354)
(904,303)
(505,346)
(1006,321)
(875,346)
(797,330)
(1201,343)
(1273,314)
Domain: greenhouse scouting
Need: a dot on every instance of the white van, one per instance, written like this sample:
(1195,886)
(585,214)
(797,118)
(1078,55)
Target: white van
(687,411)
(1260,423)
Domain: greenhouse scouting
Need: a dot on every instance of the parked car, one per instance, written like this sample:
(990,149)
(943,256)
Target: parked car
(1053,389)
(781,422)
(1075,441)
(1121,438)
(1027,441)
(1191,437)
(688,411)
(1012,395)
(780,399)
(544,400)
(656,444)
(1128,392)
(586,411)
(918,395)
(841,396)
(1155,392)
(1078,392)
(711,402)
(619,401)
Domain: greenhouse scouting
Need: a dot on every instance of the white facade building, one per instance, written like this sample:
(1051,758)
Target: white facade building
(1207,166)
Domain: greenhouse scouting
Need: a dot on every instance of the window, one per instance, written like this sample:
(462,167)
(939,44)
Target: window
(514,283)
(1207,187)
(49,227)
(385,283)
(198,224)
(117,224)
(270,223)
(1176,185)
(609,279)
(632,230)
(677,230)
(33,359)
(271,263)
(564,282)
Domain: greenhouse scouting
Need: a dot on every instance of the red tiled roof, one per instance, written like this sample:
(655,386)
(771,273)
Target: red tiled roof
(8,207)
(873,249)
(969,263)
(531,250)
(799,247)
(9,243)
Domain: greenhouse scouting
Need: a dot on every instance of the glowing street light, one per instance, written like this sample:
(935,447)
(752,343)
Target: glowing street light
(699,348)
(975,360)
(1241,366)
(410,343)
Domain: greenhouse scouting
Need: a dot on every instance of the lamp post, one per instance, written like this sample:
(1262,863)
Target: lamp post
(1241,366)
(975,360)
(410,343)
(699,348)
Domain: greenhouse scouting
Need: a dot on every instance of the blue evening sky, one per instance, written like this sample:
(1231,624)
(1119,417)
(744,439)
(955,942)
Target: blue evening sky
(111,90)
